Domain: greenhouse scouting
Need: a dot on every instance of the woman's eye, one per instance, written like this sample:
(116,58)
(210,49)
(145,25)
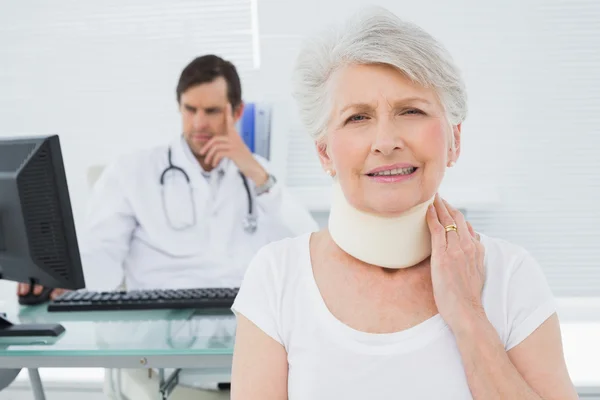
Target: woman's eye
(356,118)
(412,111)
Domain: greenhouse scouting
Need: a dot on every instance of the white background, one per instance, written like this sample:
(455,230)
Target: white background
(103,76)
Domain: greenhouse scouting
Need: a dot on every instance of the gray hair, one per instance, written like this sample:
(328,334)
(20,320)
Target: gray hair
(374,36)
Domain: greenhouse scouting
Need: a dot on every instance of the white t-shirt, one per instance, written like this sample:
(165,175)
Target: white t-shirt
(329,360)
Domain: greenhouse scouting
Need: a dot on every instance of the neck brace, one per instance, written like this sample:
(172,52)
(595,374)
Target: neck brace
(389,242)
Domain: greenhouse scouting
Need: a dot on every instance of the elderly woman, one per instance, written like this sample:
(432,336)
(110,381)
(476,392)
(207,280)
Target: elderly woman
(399,298)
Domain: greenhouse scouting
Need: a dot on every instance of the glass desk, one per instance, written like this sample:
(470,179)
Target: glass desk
(203,341)
(159,339)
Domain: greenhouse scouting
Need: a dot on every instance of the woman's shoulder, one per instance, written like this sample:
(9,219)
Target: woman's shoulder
(281,258)
(501,255)
(275,267)
(516,295)
(285,248)
(507,263)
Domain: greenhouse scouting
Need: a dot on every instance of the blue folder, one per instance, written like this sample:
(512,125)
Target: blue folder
(255,128)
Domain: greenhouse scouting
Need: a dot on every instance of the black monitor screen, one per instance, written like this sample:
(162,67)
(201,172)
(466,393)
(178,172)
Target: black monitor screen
(38,242)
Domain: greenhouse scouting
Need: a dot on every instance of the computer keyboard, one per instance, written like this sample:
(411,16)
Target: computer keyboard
(144,299)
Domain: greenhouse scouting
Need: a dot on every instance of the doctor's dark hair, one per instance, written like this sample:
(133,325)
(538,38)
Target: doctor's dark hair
(206,69)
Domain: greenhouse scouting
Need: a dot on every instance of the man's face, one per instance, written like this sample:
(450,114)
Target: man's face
(203,109)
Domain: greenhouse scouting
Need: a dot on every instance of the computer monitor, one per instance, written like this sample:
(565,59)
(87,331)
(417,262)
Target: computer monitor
(38,242)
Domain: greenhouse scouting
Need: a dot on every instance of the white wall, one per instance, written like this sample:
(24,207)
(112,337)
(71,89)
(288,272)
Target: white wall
(102,75)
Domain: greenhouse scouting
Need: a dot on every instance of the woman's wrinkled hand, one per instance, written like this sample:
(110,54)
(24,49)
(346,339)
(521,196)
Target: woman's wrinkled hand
(457,270)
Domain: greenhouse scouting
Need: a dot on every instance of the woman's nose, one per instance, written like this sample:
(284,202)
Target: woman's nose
(388,137)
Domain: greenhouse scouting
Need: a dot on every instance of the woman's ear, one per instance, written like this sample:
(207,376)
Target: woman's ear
(326,163)
(454,151)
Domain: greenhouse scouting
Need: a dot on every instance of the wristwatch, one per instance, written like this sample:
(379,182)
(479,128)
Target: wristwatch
(265,187)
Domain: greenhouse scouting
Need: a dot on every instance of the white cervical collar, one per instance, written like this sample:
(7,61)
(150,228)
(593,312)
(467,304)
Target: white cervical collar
(396,242)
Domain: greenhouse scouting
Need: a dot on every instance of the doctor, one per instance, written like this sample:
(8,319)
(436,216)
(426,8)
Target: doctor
(194,212)
(191,213)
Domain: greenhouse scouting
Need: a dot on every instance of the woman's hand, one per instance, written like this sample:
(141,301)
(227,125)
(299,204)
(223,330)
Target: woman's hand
(457,270)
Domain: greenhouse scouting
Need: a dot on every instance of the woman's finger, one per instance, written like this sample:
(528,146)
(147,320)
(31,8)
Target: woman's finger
(472,231)
(446,219)
(463,230)
(480,258)
(438,234)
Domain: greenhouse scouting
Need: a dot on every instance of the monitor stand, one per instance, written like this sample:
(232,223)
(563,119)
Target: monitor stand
(8,329)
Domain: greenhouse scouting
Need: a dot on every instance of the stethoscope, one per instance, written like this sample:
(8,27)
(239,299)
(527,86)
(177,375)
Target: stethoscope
(250,221)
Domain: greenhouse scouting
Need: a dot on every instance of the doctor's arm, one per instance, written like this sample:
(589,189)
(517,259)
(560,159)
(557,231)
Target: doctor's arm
(109,226)
(286,212)
(289,216)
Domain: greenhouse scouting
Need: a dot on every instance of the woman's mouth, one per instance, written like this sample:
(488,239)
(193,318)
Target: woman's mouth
(393,175)
(395,172)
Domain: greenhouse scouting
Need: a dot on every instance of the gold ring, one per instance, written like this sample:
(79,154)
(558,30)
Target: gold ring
(451,227)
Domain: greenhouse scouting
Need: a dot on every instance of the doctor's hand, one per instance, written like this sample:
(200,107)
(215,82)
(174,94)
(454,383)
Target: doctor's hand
(24,288)
(457,270)
(232,146)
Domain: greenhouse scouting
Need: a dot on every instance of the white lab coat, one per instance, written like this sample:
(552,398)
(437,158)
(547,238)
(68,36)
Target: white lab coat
(128,236)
